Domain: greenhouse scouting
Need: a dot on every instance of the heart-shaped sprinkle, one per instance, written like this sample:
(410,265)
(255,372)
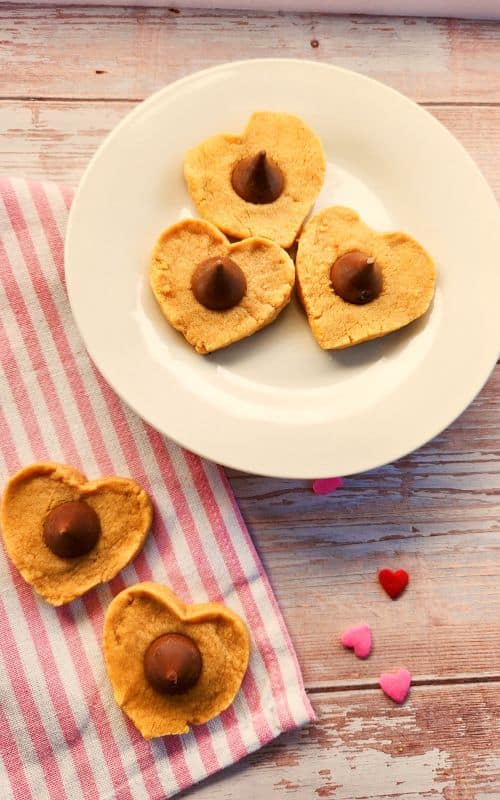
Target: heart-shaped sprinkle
(396,685)
(393,582)
(360,639)
(327,485)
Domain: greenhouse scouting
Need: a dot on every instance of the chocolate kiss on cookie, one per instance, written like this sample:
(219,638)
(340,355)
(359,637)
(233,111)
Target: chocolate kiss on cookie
(66,534)
(172,665)
(262,183)
(357,284)
(216,293)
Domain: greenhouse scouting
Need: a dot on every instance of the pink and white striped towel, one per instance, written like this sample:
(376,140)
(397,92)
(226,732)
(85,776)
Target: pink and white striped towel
(61,733)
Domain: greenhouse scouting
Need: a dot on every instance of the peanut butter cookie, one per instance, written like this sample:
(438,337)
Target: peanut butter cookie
(262,183)
(65,534)
(357,284)
(172,665)
(216,293)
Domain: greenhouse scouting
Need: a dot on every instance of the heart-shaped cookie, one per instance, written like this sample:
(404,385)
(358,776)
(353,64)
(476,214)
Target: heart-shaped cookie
(138,617)
(291,146)
(406,271)
(122,511)
(268,270)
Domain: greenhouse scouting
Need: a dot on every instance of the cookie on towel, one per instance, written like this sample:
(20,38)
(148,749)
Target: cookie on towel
(172,665)
(66,534)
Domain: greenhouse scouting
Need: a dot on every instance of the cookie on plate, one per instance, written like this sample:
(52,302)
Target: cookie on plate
(216,293)
(357,284)
(66,534)
(262,183)
(172,665)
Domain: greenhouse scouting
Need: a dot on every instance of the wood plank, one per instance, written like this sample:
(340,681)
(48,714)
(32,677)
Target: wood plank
(443,743)
(127,53)
(435,512)
(55,140)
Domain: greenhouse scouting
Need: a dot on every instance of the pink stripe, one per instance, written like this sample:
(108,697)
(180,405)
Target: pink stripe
(97,711)
(67,195)
(237,573)
(43,648)
(267,586)
(206,748)
(25,700)
(13,376)
(135,464)
(13,764)
(93,430)
(9,451)
(177,758)
(207,576)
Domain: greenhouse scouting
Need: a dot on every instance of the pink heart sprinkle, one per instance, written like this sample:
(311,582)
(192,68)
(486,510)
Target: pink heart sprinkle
(327,485)
(396,685)
(360,639)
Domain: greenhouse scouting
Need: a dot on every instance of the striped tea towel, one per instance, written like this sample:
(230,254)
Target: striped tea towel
(61,734)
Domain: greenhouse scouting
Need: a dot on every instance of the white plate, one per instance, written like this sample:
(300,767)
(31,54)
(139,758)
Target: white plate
(276,404)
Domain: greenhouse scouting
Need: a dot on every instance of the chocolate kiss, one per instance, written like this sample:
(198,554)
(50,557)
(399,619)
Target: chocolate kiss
(257,179)
(356,278)
(172,663)
(218,283)
(71,529)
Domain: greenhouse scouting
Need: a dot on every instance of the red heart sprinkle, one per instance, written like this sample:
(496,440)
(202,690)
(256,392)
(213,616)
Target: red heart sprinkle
(393,582)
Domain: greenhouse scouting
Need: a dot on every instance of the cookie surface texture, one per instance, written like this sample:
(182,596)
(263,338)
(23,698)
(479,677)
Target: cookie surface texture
(269,273)
(291,145)
(408,276)
(124,511)
(137,617)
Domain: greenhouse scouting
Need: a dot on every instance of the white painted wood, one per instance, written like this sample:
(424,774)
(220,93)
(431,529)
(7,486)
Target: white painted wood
(55,139)
(125,53)
(363,747)
(480,9)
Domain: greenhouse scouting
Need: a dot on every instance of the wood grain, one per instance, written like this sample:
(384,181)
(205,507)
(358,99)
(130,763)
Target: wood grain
(435,513)
(55,139)
(67,76)
(125,53)
(438,745)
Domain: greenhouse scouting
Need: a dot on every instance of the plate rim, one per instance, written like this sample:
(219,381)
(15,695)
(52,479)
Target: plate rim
(156,96)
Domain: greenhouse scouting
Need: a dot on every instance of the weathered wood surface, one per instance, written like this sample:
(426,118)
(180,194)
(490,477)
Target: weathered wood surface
(436,513)
(66,77)
(128,53)
(57,137)
(438,745)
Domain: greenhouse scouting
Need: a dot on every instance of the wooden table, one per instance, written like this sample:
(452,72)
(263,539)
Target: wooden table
(67,75)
